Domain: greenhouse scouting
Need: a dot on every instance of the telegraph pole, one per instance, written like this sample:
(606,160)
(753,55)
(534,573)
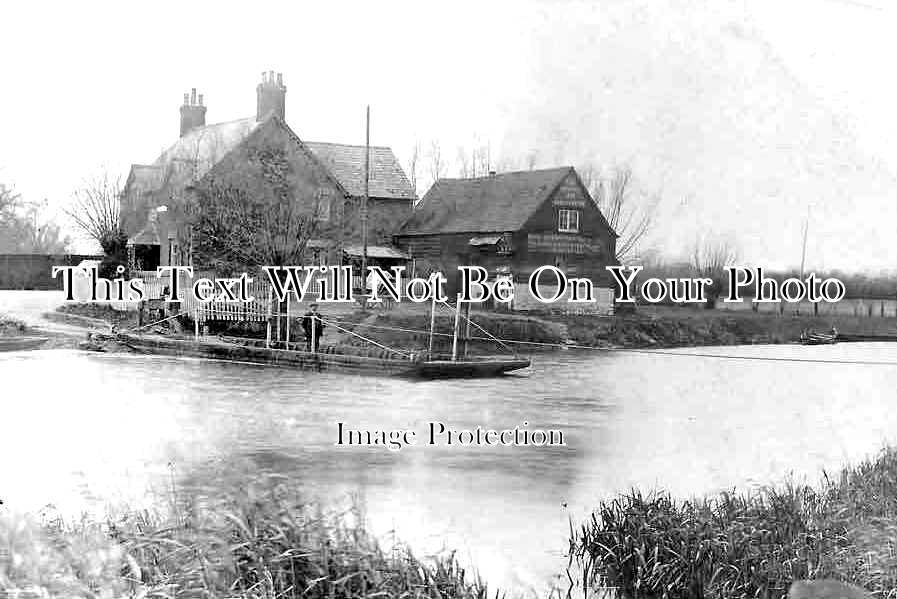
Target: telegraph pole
(364,203)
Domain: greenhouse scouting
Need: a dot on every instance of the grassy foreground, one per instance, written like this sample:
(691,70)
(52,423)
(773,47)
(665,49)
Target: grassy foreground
(258,542)
(734,547)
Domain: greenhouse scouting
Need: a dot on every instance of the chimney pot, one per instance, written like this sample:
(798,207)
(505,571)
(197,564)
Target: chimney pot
(271,96)
(193,113)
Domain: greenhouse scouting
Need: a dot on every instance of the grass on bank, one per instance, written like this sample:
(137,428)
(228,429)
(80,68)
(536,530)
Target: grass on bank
(739,546)
(259,542)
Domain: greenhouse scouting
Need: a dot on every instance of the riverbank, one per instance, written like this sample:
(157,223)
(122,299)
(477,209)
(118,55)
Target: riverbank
(740,546)
(649,327)
(667,326)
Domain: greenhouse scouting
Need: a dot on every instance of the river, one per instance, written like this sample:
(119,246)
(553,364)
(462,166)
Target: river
(81,431)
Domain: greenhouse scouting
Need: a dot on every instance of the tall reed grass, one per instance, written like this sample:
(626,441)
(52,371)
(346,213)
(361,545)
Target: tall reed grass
(752,545)
(257,542)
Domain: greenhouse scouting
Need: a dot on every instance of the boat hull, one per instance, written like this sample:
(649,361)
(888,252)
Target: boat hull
(318,361)
(468,369)
(21,343)
(819,339)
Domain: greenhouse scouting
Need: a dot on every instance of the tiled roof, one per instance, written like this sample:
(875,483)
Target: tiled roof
(203,147)
(497,203)
(194,154)
(346,163)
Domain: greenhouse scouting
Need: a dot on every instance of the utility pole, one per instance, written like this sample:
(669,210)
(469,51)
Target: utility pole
(364,203)
(803,254)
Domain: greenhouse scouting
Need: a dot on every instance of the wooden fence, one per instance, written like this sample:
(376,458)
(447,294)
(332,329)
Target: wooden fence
(262,305)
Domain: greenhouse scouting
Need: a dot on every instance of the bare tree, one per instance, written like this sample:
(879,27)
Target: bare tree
(464,163)
(531,160)
(43,235)
(709,258)
(264,215)
(95,209)
(627,214)
(437,166)
(482,160)
(412,165)
(264,218)
(23,228)
(12,229)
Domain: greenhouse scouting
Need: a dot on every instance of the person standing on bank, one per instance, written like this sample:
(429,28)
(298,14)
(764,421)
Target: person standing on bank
(314,328)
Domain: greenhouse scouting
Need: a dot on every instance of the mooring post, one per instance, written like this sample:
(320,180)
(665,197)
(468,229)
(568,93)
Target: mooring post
(288,322)
(268,326)
(466,328)
(432,325)
(457,330)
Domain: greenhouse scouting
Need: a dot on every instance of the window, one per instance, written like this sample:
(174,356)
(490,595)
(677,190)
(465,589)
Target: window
(568,221)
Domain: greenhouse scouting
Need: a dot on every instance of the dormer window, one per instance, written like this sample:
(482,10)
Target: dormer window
(568,221)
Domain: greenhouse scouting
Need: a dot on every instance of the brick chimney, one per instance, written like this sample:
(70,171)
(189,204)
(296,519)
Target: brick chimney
(271,95)
(193,113)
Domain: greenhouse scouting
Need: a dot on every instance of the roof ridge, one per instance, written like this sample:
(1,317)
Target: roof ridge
(336,143)
(247,118)
(504,173)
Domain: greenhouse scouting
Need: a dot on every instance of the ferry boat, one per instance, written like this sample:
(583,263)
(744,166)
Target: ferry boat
(333,358)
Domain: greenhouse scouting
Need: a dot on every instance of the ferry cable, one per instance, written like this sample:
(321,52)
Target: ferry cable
(640,351)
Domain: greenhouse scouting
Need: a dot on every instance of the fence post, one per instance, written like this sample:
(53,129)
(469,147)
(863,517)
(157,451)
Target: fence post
(288,322)
(268,327)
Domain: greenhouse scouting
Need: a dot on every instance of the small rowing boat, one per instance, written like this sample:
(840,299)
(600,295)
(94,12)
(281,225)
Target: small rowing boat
(818,338)
(21,343)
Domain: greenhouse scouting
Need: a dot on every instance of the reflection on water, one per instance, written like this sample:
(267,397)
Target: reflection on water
(81,431)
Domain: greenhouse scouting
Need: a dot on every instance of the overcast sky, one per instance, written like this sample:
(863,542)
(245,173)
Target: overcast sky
(739,115)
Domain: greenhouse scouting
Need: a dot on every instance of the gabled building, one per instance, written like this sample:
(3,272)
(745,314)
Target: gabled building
(157,197)
(511,224)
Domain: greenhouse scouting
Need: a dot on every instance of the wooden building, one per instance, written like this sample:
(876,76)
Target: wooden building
(511,224)
(157,197)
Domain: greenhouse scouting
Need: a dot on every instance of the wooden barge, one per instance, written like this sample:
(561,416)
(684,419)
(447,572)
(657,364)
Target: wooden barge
(328,359)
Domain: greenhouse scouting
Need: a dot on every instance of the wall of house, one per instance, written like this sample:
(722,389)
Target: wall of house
(385,216)
(582,254)
(538,243)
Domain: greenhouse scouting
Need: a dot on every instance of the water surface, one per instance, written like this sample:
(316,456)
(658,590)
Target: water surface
(82,431)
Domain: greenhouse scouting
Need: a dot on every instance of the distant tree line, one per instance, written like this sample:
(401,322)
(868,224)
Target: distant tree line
(24,227)
(710,260)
